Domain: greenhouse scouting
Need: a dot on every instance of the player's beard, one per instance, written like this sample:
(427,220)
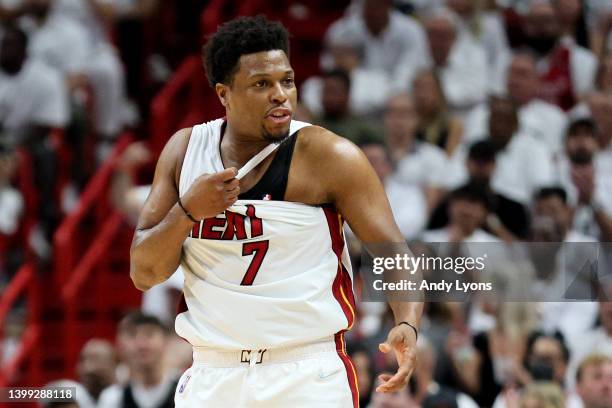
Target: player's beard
(274,138)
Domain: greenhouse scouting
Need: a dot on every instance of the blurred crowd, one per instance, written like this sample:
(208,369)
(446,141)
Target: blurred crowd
(74,74)
(487,121)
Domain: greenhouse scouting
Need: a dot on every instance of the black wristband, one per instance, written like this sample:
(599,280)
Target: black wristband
(416,332)
(187,213)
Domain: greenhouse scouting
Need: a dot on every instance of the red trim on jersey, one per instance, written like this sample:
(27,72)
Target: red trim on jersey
(342,287)
(182,305)
(351,373)
(333,222)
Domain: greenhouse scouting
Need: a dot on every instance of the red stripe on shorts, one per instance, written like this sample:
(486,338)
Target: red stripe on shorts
(351,373)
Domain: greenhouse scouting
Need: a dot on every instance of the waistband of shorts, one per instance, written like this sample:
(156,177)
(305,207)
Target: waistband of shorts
(224,358)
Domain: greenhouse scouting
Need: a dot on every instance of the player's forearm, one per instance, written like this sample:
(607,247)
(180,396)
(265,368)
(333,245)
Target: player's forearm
(156,251)
(407,312)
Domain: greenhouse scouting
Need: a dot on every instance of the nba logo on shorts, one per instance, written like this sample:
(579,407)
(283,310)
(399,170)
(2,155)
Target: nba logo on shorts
(182,388)
(267,197)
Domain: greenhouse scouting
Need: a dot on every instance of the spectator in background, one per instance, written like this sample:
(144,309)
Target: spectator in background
(369,87)
(468,207)
(599,23)
(498,348)
(337,116)
(545,363)
(142,340)
(523,164)
(572,19)
(600,106)
(508,219)
(96,367)
(559,266)
(33,101)
(547,357)
(11,200)
(391,41)
(567,71)
(129,24)
(12,209)
(436,125)
(485,27)
(587,184)
(592,384)
(61,43)
(460,62)
(410,214)
(595,340)
(427,390)
(417,163)
(603,80)
(542,120)
(103,68)
(543,395)
(56,39)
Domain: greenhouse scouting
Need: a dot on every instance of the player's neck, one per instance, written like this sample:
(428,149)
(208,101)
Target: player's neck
(237,149)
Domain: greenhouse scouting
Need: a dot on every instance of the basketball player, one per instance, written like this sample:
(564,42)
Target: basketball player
(268,291)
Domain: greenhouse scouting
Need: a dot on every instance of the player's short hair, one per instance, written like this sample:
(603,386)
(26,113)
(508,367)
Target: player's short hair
(591,360)
(238,37)
(551,192)
(482,151)
(137,319)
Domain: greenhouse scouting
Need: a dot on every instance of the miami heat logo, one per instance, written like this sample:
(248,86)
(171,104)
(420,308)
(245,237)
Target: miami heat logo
(229,226)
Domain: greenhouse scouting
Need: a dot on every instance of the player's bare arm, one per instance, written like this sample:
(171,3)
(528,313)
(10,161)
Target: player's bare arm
(163,226)
(349,182)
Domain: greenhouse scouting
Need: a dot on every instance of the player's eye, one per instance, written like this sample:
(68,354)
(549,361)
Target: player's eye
(260,84)
(288,81)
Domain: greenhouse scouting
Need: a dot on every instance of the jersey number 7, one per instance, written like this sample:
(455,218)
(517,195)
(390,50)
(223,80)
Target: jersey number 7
(259,249)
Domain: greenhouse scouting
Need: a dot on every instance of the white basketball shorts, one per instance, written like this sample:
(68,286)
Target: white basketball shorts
(317,375)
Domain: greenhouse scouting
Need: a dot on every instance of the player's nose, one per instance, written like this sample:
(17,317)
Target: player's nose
(278,94)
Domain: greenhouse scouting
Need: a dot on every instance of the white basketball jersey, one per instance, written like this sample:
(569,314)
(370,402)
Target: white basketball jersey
(263,274)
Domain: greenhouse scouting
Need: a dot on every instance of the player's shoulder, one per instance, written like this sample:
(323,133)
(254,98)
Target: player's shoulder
(323,144)
(327,156)
(177,144)
(173,154)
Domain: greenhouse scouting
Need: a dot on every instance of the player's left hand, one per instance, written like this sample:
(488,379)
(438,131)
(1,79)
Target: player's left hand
(402,340)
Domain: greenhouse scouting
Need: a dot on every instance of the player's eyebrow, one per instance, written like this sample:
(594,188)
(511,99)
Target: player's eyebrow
(267,74)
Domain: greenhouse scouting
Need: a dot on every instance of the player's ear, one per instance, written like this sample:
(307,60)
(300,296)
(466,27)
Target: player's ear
(222,93)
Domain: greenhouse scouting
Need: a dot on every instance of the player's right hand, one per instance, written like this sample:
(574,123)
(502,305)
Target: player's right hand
(211,194)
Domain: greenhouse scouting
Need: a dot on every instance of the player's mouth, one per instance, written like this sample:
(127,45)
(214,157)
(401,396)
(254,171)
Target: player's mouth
(279,116)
